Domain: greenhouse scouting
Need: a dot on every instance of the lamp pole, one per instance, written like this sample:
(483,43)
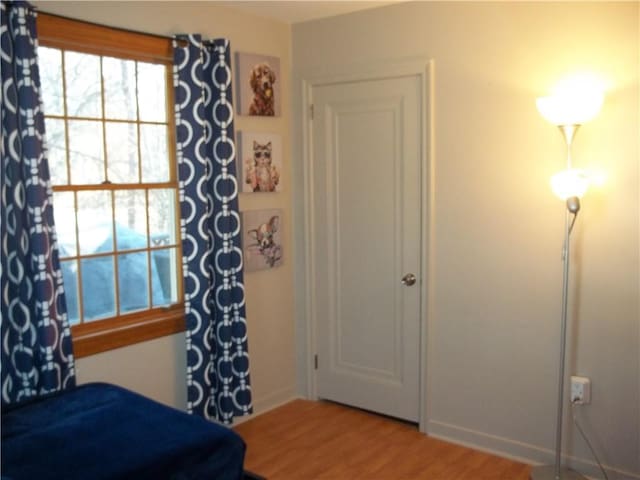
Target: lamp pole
(556,471)
(573,206)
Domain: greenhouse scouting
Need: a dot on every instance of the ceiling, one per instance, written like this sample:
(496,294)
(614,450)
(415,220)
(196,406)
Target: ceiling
(303,10)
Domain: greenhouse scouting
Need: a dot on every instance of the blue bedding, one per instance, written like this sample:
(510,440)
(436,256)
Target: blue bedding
(100,431)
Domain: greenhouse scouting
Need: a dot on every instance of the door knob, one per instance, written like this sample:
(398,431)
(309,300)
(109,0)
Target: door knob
(409,279)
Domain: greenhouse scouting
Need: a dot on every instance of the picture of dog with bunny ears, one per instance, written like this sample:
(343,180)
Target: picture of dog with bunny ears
(262,239)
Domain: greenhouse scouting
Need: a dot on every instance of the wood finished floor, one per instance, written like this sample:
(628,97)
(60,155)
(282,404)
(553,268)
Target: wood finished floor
(306,440)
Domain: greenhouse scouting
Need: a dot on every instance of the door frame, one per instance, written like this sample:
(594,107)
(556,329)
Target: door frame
(424,70)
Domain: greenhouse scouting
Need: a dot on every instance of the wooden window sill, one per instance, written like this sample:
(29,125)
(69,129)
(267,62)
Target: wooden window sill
(101,336)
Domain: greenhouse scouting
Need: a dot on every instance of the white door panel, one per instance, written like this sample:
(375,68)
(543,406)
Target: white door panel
(366,184)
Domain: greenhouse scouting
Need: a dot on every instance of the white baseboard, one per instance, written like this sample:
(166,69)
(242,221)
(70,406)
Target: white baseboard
(269,402)
(519,451)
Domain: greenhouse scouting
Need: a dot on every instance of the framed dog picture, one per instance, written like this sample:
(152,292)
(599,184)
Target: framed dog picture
(260,162)
(261,239)
(258,85)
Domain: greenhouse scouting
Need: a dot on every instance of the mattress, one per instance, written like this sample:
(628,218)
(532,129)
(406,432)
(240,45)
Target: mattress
(102,431)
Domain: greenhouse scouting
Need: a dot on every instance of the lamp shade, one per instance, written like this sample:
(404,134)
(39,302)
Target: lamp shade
(570,183)
(570,108)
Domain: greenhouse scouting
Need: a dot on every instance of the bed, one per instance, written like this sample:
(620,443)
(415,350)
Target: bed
(102,431)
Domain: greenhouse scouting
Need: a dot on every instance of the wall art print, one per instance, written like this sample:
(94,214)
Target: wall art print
(262,239)
(258,85)
(260,165)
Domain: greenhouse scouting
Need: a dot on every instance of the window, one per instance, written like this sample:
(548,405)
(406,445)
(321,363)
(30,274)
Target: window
(107,99)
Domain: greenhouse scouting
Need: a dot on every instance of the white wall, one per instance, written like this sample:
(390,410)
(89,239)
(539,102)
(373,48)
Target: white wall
(157,368)
(496,267)
(494,329)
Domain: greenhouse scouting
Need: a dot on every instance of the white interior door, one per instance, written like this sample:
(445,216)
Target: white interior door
(366,180)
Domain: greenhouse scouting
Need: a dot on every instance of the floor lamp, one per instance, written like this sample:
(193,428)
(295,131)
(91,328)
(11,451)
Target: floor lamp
(568,110)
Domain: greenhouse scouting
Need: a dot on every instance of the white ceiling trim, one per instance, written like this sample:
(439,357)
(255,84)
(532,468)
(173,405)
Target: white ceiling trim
(293,11)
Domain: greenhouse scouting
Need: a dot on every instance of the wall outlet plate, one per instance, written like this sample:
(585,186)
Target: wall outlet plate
(580,390)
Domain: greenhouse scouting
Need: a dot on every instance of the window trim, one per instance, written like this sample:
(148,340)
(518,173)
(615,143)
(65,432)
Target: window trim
(128,329)
(65,33)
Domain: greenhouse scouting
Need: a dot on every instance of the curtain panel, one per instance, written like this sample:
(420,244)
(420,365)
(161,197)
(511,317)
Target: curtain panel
(37,355)
(218,385)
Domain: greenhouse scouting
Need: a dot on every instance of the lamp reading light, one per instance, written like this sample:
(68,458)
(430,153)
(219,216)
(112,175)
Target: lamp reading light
(570,183)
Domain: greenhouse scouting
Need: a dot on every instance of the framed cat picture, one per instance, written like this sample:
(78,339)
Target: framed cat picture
(259,162)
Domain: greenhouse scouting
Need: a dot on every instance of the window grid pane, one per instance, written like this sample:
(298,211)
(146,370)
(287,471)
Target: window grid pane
(119,77)
(83,86)
(50,62)
(70,277)
(86,152)
(122,152)
(64,214)
(56,142)
(133,278)
(166,290)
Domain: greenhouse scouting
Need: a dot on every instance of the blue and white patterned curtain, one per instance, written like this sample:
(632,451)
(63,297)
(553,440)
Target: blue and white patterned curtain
(37,355)
(217,357)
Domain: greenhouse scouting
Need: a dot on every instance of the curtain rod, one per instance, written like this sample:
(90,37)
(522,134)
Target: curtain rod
(181,42)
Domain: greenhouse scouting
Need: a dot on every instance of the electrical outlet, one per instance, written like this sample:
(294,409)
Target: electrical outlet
(580,390)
